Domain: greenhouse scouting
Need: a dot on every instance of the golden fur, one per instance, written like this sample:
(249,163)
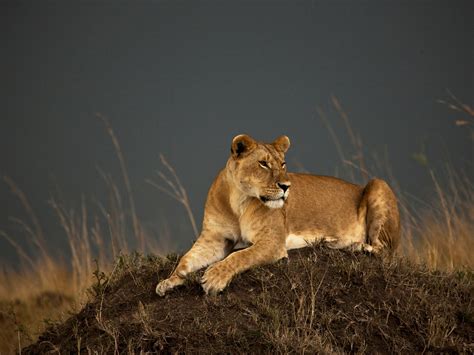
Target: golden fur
(254,202)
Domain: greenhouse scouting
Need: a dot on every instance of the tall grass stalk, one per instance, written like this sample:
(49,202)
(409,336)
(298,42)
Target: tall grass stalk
(175,190)
(118,150)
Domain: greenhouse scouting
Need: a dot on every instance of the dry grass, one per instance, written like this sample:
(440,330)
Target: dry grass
(438,233)
(442,235)
(175,190)
(96,236)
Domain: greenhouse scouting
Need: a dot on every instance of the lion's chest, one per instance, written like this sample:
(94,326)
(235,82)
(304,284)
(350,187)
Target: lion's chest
(247,234)
(259,226)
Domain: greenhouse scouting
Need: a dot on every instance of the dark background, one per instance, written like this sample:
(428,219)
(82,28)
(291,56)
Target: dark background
(183,77)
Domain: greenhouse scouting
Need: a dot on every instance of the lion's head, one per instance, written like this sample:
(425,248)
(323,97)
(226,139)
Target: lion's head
(259,169)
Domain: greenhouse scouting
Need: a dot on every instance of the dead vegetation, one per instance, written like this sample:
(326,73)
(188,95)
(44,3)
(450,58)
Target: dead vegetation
(319,300)
(97,234)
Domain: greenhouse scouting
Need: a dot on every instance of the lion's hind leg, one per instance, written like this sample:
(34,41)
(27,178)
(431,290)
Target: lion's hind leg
(382,216)
(350,245)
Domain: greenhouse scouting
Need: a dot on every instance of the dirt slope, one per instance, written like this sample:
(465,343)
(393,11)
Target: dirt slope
(319,300)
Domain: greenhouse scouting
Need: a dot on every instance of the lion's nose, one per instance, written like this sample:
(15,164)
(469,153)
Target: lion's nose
(284,185)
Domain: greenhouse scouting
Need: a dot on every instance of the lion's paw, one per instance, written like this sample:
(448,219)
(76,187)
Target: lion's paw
(216,278)
(360,247)
(168,284)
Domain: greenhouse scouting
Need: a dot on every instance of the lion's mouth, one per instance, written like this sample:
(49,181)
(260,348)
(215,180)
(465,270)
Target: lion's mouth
(279,197)
(267,198)
(273,201)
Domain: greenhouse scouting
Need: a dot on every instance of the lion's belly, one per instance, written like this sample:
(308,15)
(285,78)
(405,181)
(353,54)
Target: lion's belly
(354,233)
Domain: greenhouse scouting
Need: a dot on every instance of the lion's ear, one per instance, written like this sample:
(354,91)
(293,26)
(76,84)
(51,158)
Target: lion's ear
(282,143)
(242,144)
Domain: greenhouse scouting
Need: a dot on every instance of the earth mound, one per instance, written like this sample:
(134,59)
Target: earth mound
(319,300)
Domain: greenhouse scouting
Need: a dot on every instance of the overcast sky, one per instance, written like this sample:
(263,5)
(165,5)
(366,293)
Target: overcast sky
(183,77)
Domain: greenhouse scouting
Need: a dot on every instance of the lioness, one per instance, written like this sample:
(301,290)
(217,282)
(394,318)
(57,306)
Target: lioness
(254,201)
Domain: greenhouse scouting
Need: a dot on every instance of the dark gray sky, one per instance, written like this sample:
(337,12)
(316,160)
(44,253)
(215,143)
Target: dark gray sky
(184,77)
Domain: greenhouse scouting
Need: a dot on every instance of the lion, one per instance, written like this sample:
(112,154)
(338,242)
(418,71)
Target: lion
(255,202)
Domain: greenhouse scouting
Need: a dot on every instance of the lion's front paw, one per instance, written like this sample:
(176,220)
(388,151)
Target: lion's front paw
(216,278)
(168,284)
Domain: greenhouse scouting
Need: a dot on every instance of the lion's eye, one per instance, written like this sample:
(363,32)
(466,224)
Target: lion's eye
(263,164)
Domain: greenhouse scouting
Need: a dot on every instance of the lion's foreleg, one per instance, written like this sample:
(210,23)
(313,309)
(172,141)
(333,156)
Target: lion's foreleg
(207,249)
(219,275)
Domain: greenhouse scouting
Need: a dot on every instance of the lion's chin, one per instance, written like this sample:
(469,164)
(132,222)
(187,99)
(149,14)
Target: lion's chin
(270,203)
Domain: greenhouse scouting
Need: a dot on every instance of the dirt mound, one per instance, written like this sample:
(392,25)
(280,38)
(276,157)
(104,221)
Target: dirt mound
(319,300)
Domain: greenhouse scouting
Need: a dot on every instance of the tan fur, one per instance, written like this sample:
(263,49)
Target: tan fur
(247,205)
